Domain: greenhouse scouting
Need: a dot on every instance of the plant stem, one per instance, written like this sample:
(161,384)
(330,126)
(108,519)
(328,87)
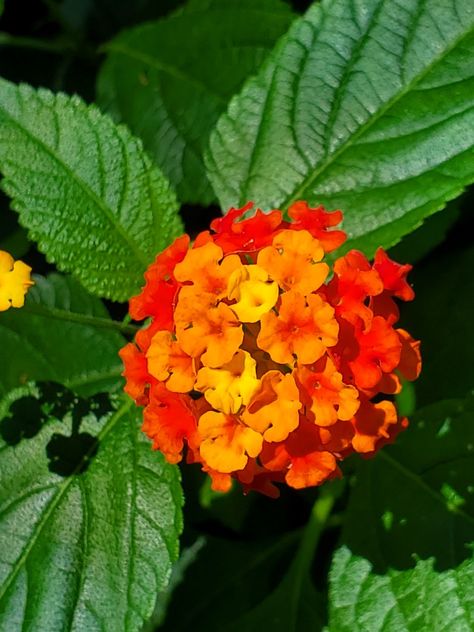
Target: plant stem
(317,522)
(83,319)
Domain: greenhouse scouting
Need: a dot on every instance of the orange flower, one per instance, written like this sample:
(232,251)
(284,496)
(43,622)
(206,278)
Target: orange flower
(292,260)
(168,421)
(255,365)
(304,327)
(329,399)
(135,373)
(201,267)
(15,281)
(273,410)
(206,330)
(157,297)
(226,444)
(373,424)
(168,363)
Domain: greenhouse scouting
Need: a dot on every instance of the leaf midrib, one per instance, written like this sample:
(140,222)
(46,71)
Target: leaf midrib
(62,489)
(314,175)
(141,257)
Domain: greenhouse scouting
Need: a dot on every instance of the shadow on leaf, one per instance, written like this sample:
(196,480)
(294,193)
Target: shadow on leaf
(70,452)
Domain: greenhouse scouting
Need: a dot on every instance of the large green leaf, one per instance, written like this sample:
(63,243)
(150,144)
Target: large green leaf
(84,188)
(400,601)
(416,499)
(170,80)
(365,105)
(87,551)
(62,334)
(406,561)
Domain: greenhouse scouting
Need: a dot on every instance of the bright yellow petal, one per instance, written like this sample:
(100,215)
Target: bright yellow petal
(254,292)
(231,386)
(14,281)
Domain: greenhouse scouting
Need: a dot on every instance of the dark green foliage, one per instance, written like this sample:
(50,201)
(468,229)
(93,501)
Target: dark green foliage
(170,80)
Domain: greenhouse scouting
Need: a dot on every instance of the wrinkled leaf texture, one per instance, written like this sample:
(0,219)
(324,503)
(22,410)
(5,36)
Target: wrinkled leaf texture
(84,188)
(170,80)
(400,601)
(406,563)
(90,551)
(365,105)
(62,334)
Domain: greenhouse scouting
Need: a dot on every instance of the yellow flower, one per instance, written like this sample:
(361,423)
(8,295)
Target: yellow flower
(14,281)
(231,386)
(254,292)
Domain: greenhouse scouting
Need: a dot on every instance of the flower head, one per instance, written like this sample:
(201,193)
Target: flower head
(260,364)
(15,281)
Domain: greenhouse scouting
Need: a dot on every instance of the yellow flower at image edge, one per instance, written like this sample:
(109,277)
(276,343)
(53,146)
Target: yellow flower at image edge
(15,281)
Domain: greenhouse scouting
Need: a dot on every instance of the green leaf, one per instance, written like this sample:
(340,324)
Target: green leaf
(442,315)
(367,106)
(406,562)
(416,499)
(84,188)
(63,334)
(170,80)
(400,601)
(88,551)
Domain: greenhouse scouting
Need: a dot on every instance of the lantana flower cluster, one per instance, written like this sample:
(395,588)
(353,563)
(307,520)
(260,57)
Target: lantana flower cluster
(260,361)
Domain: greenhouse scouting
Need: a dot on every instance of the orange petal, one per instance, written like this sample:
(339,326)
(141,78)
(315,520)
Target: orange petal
(304,327)
(168,362)
(225,443)
(135,373)
(201,267)
(372,424)
(310,470)
(205,330)
(292,260)
(410,359)
(317,221)
(273,410)
(168,421)
(330,399)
